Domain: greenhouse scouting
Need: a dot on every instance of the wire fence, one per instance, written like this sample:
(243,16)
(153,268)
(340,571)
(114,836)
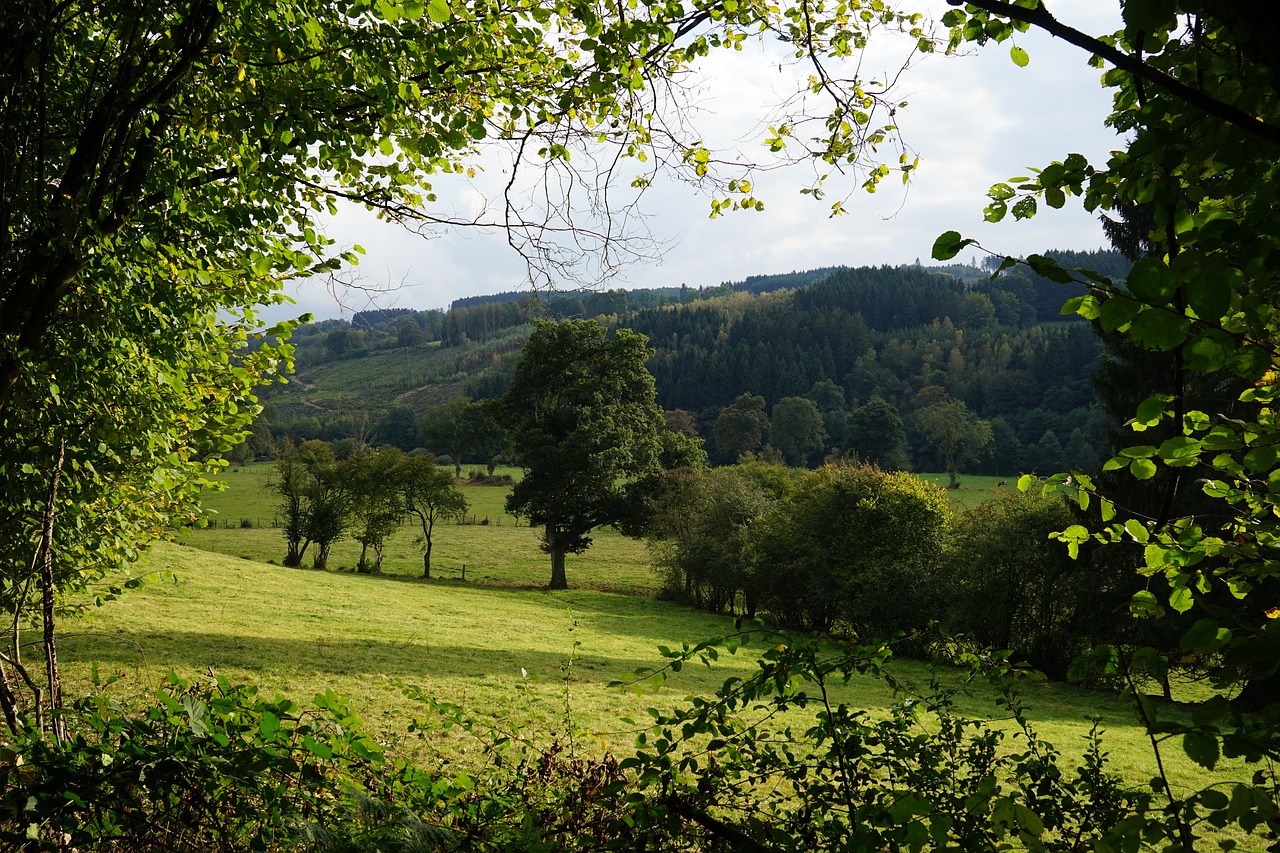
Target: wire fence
(275,523)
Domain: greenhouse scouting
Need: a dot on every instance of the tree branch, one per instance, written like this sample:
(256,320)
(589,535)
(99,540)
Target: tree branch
(1040,17)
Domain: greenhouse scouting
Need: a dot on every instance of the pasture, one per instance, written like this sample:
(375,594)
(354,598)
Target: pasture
(528,660)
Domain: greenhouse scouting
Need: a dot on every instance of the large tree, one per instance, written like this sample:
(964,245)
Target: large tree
(583,418)
(741,427)
(1197,92)
(444,430)
(796,429)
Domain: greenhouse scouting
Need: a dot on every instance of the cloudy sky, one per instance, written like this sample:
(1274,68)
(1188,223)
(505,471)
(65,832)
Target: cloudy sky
(973,120)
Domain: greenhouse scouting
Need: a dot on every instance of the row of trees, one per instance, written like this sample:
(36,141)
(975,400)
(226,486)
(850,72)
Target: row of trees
(365,496)
(802,430)
(857,550)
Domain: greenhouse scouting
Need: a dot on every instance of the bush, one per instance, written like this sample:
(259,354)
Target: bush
(211,767)
(855,546)
(1014,588)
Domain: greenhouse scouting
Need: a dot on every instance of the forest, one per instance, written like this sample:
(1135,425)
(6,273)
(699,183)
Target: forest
(838,337)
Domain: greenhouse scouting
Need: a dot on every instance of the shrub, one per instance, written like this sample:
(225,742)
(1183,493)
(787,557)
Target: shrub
(1014,588)
(210,767)
(853,545)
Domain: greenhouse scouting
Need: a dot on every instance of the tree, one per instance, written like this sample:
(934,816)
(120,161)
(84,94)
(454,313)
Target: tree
(829,398)
(681,421)
(485,435)
(398,428)
(956,433)
(375,501)
(318,494)
(852,544)
(427,491)
(1197,91)
(164,167)
(876,434)
(448,428)
(583,419)
(796,428)
(741,427)
(699,536)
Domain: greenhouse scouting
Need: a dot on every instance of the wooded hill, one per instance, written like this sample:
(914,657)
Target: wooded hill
(839,336)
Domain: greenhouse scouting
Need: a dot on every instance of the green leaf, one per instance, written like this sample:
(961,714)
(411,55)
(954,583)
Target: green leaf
(1159,329)
(1116,312)
(1152,281)
(1137,530)
(1181,599)
(1019,56)
(1144,604)
(438,11)
(1142,469)
(316,748)
(1201,748)
(1180,451)
(1152,409)
(269,725)
(948,245)
(1206,635)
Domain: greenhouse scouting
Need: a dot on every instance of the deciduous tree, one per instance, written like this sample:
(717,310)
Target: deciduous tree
(375,501)
(956,433)
(796,428)
(427,491)
(741,427)
(584,421)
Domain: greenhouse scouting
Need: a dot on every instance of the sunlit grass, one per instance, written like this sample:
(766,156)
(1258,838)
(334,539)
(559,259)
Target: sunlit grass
(496,643)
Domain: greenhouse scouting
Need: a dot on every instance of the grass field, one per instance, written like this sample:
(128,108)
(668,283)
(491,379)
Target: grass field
(497,643)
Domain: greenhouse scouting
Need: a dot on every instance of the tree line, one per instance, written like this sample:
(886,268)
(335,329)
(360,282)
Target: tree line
(365,496)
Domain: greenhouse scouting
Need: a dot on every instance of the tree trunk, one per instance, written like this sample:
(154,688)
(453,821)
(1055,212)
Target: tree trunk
(48,592)
(558,580)
(426,560)
(952,484)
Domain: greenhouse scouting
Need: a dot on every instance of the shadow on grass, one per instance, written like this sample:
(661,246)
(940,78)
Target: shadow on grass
(195,651)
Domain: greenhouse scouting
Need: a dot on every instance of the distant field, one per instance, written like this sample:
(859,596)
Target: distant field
(973,489)
(247,495)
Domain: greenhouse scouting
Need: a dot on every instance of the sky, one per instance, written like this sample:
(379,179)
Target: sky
(973,120)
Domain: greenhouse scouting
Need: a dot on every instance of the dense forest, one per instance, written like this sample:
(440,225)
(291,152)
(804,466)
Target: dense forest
(903,338)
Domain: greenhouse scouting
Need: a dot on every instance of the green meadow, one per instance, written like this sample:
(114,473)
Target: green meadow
(535,662)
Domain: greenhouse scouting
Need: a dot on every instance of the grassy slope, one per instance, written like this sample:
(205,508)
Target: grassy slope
(298,631)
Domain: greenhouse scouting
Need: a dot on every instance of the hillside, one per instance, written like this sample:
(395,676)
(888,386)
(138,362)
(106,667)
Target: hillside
(902,334)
